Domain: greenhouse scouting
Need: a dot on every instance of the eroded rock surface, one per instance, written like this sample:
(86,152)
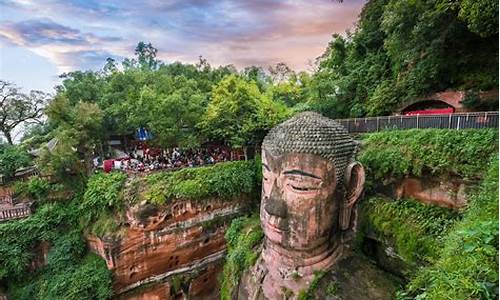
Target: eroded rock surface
(171,251)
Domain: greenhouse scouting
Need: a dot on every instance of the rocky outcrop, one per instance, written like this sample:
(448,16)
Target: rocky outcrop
(171,251)
(444,192)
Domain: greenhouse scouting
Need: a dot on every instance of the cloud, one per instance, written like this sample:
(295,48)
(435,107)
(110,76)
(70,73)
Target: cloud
(67,47)
(260,32)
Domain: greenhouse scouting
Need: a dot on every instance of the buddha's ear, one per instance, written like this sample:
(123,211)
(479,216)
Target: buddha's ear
(354,182)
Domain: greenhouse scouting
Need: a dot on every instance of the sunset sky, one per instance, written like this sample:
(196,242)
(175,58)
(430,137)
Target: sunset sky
(41,39)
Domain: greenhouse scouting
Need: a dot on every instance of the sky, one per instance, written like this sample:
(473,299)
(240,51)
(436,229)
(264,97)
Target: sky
(40,39)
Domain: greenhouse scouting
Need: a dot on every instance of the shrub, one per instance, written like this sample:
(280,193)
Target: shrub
(223,180)
(416,229)
(70,272)
(242,237)
(396,154)
(467,264)
(101,200)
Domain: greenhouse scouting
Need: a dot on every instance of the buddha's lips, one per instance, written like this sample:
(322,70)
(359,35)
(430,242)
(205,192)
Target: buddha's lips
(274,227)
(274,222)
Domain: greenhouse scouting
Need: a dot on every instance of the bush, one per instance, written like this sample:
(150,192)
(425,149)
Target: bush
(18,238)
(416,229)
(397,154)
(467,264)
(101,200)
(70,273)
(12,157)
(224,180)
(36,188)
(242,237)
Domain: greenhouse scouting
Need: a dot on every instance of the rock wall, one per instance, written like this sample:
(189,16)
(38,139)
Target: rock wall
(169,252)
(444,192)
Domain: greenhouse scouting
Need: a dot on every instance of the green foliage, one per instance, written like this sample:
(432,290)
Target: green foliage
(44,225)
(238,113)
(78,130)
(12,157)
(86,278)
(397,154)
(223,180)
(70,272)
(481,16)
(402,50)
(416,229)
(313,286)
(332,289)
(35,188)
(102,198)
(242,237)
(467,264)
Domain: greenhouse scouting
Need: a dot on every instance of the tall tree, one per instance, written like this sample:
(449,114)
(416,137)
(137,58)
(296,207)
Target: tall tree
(17,108)
(146,56)
(239,114)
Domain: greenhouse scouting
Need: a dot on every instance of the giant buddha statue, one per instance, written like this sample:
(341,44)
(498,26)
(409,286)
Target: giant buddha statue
(311,185)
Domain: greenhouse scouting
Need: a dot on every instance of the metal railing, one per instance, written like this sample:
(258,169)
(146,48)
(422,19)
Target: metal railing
(487,119)
(15,212)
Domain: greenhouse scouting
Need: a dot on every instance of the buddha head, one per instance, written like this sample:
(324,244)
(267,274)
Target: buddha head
(311,183)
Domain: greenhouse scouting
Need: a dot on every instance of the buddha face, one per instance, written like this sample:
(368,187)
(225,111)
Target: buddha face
(299,208)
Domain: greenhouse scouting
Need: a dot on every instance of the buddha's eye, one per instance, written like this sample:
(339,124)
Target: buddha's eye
(299,184)
(302,189)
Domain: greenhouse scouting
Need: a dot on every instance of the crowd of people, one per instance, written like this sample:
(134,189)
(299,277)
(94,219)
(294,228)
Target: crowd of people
(149,159)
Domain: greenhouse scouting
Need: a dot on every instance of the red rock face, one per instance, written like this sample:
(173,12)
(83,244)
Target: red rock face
(184,239)
(444,193)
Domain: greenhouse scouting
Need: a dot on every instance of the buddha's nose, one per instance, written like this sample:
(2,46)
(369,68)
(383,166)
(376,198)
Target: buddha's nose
(275,204)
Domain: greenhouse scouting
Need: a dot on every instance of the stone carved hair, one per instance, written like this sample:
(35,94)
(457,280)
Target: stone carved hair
(311,133)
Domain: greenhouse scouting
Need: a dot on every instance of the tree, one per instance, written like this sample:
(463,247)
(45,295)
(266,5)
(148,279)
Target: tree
(402,50)
(280,72)
(481,16)
(87,86)
(17,108)
(239,114)
(12,157)
(146,56)
(258,75)
(78,131)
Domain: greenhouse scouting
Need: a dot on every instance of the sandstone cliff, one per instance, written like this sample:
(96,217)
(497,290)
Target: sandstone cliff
(168,251)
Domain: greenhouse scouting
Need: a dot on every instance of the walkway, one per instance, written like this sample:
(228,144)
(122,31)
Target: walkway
(448,121)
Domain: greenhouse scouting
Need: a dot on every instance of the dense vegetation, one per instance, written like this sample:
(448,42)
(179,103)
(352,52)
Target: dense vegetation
(102,203)
(455,252)
(405,49)
(467,263)
(399,50)
(437,152)
(71,273)
(12,158)
(242,237)
(416,230)
(222,181)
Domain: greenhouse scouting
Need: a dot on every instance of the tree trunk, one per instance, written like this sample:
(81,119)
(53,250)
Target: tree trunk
(8,136)
(245,150)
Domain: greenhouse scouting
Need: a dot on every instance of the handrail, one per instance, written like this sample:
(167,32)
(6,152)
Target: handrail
(15,212)
(487,119)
